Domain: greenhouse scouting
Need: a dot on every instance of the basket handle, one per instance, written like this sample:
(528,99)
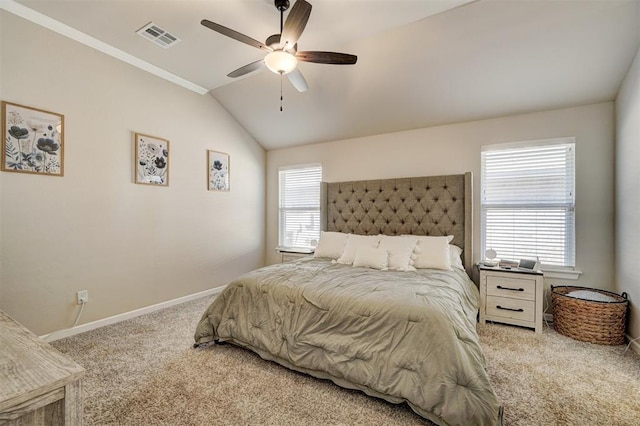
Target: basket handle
(624,295)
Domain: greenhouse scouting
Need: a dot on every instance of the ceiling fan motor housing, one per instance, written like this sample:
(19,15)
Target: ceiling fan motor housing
(273,41)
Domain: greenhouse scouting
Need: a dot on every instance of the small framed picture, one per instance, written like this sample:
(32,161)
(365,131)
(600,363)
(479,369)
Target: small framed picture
(151,160)
(218,171)
(32,140)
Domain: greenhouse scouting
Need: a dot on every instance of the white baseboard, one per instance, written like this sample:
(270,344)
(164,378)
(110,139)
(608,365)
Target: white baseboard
(67,332)
(635,346)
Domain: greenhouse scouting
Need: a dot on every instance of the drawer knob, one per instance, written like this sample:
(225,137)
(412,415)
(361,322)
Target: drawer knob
(510,309)
(511,289)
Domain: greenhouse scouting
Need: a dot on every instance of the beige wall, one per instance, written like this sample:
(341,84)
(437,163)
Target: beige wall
(628,192)
(456,148)
(1,97)
(130,245)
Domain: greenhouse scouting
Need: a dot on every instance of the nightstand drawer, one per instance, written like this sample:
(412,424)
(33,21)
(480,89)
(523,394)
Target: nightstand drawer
(507,286)
(505,307)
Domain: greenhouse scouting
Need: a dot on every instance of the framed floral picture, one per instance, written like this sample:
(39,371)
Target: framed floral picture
(218,171)
(32,140)
(151,160)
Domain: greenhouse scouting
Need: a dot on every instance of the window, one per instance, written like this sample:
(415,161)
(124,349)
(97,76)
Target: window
(300,205)
(528,201)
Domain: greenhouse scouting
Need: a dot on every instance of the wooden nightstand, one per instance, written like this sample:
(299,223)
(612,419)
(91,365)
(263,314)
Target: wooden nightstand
(511,296)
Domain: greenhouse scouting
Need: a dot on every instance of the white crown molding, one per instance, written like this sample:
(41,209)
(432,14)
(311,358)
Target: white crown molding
(68,332)
(22,11)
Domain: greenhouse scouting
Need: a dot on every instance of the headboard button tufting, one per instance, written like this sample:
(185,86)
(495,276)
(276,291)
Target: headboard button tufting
(396,206)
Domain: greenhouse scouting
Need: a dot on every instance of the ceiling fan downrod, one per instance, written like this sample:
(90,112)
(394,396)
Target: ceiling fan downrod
(281,5)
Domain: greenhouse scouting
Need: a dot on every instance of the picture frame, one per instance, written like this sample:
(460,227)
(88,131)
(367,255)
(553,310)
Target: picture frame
(32,140)
(218,171)
(151,160)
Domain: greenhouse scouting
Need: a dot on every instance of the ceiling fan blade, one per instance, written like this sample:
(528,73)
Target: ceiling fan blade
(253,66)
(297,80)
(235,35)
(327,58)
(295,23)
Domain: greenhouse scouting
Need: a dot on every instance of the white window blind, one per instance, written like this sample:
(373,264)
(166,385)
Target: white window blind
(300,205)
(528,201)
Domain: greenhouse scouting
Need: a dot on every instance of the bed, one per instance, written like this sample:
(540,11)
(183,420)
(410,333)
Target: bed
(407,335)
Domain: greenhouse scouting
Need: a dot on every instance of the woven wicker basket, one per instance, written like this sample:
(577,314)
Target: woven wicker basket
(589,321)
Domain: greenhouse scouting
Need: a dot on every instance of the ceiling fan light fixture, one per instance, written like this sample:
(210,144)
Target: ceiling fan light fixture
(280,62)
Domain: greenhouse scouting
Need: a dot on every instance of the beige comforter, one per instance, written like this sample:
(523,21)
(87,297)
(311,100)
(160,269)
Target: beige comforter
(402,336)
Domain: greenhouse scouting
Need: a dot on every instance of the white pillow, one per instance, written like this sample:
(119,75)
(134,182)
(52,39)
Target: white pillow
(354,243)
(400,250)
(454,253)
(432,252)
(331,244)
(370,257)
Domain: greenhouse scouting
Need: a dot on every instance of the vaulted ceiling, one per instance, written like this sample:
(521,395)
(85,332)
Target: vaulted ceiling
(420,63)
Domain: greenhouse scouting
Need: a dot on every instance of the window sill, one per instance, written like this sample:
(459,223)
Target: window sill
(296,250)
(563,274)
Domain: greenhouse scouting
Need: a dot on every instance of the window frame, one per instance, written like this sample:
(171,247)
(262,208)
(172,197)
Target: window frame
(313,208)
(569,247)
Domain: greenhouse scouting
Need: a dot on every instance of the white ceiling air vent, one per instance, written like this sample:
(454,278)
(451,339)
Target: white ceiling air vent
(157,35)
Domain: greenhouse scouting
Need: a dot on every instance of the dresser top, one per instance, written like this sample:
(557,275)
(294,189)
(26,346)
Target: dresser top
(29,366)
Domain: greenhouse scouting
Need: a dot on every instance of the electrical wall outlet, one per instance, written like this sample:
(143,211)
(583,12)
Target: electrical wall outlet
(83,297)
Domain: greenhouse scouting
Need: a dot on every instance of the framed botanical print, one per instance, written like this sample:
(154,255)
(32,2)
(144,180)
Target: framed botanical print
(32,140)
(151,160)
(218,171)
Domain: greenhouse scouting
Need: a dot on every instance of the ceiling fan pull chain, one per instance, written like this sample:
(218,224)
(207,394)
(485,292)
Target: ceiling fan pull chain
(281,92)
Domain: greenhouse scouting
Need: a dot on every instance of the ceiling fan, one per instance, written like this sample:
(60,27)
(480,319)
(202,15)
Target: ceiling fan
(283,55)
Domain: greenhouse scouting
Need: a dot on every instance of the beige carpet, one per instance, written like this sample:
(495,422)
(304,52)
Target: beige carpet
(144,372)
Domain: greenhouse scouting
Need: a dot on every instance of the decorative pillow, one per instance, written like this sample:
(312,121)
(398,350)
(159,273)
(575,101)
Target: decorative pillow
(454,253)
(400,250)
(354,243)
(331,244)
(433,252)
(370,257)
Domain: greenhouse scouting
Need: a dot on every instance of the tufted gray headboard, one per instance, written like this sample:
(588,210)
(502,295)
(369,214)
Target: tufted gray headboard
(431,205)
